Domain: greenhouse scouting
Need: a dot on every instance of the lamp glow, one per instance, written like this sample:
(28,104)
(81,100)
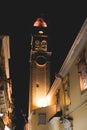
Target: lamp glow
(42,102)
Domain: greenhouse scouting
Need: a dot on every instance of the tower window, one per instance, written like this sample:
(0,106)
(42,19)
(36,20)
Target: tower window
(40,32)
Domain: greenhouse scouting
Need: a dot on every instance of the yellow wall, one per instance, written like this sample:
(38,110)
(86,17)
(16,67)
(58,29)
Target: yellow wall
(80,117)
(50,111)
(78,107)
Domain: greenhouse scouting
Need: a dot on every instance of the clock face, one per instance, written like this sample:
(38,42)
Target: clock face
(37,43)
(41,60)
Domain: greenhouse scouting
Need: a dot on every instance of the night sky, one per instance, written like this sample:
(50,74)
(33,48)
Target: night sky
(16,19)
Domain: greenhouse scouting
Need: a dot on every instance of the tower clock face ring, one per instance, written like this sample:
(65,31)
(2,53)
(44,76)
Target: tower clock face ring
(41,60)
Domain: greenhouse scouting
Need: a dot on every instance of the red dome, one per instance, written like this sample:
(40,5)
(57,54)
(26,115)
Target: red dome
(40,23)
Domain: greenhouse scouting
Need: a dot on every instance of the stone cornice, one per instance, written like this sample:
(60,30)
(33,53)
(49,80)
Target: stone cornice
(55,86)
(75,49)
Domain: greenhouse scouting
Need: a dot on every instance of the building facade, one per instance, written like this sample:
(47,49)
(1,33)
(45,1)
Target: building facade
(6,103)
(66,100)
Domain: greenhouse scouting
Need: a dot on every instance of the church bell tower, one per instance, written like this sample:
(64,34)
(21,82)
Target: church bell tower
(39,66)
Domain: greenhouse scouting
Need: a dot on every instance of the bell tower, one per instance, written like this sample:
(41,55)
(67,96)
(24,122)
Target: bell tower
(39,66)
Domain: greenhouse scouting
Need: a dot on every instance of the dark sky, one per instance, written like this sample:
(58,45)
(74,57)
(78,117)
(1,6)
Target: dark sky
(16,19)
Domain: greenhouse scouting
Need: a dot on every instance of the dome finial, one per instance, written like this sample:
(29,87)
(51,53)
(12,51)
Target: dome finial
(40,23)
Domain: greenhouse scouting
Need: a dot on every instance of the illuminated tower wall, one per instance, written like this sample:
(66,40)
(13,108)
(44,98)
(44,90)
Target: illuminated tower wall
(39,66)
